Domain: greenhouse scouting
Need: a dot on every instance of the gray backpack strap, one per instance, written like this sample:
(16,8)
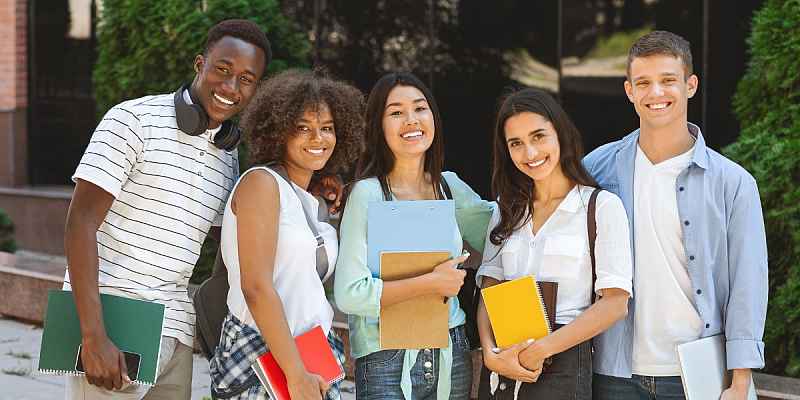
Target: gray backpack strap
(322,255)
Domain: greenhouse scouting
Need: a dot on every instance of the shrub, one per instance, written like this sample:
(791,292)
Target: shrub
(767,103)
(7,243)
(148,46)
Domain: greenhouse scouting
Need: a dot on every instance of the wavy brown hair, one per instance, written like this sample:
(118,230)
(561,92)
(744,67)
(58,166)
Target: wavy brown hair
(512,188)
(282,99)
(379,161)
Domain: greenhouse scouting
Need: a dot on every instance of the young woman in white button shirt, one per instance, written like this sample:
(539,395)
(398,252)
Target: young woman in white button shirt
(540,229)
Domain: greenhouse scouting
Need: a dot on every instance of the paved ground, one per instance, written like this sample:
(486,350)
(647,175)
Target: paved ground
(19,357)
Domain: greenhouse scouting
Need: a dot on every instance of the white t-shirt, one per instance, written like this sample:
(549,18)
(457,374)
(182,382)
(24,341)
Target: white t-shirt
(665,314)
(559,252)
(169,188)
(295,275)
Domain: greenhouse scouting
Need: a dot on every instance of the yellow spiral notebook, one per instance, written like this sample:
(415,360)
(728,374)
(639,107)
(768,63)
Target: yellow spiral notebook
(516,311)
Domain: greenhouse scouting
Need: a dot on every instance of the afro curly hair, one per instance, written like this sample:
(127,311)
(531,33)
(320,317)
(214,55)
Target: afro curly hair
(241,29)
(282,99)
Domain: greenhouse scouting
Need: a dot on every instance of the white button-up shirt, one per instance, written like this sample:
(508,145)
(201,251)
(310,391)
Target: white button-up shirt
(559,252)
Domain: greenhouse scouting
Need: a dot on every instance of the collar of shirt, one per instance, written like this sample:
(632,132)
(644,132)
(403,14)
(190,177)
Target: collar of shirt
(209,134)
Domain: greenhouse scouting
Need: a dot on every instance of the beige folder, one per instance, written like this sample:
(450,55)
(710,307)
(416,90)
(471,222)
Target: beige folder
(418,323)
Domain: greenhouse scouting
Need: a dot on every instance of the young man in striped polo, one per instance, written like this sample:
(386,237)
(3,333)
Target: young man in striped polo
(149,188)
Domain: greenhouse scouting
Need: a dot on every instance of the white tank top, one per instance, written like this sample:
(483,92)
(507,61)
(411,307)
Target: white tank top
(295,275)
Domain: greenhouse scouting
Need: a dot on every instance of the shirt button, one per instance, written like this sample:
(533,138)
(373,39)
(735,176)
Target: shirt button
(691,258)
(680,189)
(428,364)
(699,291)
(686,223)
(428,351)
(202,153)
(428,375)
(708,326)
(502,386)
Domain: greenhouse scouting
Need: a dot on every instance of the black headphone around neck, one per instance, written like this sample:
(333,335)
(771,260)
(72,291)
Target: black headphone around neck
(193,120)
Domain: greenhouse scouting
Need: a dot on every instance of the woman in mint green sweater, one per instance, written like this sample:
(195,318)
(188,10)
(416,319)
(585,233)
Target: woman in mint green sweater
(404,162)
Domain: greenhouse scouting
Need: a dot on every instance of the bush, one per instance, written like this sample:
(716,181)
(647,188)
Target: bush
(148,47)
(7,243)
(767,103)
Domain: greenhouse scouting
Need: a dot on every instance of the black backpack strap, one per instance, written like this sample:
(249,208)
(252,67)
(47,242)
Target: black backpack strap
(387,193)
(448,195)
(591,223)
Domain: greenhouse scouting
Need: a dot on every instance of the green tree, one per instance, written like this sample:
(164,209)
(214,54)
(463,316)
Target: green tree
(148,46)
(767,103)
(7,243)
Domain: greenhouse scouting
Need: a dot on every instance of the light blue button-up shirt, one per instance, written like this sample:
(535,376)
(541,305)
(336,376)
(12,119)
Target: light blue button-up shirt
(726,250)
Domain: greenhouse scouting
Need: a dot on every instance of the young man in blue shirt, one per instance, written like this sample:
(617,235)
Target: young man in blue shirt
(700,253)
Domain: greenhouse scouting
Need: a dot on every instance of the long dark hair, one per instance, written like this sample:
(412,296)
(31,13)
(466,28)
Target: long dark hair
(512,188)
(379,160)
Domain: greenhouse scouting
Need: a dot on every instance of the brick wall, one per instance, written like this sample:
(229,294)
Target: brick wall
(13,55)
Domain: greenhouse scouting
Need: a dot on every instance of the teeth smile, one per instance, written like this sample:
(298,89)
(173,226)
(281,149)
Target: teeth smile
(409,135)
(315,151)
(223,100)
(658,106)
(536,163)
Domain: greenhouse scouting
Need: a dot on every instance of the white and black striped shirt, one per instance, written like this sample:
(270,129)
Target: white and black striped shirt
(169,189)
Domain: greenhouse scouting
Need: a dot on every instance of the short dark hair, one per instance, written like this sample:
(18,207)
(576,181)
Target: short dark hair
(379,161)
(662,43)
(241,29)
(512,188)
(281,100)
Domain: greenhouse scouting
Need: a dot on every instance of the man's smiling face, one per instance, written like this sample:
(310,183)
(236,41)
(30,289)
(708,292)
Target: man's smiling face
(659,89)
(227,77)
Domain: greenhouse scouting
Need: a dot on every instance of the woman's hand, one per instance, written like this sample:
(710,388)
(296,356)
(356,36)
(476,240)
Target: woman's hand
(307,386)
(447,278)
(506,363)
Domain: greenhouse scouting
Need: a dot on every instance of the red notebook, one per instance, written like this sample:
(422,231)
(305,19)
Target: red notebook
(317,357)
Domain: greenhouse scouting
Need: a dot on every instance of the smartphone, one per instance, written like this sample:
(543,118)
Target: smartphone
(132,361)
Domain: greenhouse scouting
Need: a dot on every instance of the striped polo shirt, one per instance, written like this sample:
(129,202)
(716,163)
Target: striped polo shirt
(169,189)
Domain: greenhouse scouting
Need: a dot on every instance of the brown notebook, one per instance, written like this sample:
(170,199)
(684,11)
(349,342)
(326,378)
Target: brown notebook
(549,291)
(418,323)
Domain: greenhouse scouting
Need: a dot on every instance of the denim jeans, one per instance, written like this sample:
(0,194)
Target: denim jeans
(378,374)
(568,377)
(638,387)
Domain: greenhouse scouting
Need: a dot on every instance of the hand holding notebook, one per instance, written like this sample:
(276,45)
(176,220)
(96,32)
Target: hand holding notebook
(317,358)
(516,311)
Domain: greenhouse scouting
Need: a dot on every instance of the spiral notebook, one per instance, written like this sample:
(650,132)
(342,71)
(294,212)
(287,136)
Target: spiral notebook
(134,326)
(317,357)
(516,311)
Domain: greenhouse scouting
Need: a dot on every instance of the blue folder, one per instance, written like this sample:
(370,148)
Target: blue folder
(421,225)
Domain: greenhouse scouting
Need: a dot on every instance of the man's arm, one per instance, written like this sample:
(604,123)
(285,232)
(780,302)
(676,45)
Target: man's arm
(748,277)
(103,362)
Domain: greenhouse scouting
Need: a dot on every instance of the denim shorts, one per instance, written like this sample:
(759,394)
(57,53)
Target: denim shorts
(378,374)
(569,377)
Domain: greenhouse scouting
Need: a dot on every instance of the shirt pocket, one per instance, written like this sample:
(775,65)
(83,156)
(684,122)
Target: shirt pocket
(514,257)
(563,256)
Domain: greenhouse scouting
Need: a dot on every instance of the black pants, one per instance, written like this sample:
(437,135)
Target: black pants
(569,377)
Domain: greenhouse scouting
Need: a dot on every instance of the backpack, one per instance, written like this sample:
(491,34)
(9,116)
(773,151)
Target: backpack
(211,298)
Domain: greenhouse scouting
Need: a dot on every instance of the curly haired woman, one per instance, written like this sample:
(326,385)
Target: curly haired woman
(301,123)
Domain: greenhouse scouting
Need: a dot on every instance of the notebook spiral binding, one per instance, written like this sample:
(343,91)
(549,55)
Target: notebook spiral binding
(541,303)
(76,373)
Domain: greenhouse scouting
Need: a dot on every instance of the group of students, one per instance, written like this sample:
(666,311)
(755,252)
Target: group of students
(148,191)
